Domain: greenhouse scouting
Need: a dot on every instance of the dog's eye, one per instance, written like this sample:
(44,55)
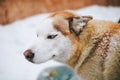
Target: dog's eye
(51,36)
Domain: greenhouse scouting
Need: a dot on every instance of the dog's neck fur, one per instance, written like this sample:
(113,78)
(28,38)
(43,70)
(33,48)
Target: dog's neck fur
(87,42)
(82,41)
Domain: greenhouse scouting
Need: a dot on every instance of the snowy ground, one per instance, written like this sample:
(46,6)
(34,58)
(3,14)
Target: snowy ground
(16,37)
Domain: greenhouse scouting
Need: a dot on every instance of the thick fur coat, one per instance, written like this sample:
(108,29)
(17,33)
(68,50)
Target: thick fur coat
(92,46)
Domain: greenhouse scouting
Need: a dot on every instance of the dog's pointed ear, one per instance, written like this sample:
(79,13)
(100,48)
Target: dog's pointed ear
(76,24)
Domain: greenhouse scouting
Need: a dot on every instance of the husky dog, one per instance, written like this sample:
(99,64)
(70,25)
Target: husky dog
(91,47)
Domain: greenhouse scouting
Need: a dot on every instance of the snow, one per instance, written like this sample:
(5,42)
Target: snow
(17,36)
(102,13)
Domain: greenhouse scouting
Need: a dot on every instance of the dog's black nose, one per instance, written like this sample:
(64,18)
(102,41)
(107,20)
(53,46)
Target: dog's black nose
(29,54)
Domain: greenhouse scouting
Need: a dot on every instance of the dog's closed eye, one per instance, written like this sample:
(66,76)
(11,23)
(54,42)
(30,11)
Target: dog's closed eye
(51,36)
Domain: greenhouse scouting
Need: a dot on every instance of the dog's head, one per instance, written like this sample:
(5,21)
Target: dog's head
(57,37)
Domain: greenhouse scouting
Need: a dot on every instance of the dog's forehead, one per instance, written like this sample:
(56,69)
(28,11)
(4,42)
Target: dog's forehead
(46,26)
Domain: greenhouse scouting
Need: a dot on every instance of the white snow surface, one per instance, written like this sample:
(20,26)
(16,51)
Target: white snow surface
(16,37)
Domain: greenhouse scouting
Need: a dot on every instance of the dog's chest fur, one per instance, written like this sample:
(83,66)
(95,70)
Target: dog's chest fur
(99,52)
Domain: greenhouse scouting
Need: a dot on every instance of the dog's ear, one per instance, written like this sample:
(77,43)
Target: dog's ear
(76,24)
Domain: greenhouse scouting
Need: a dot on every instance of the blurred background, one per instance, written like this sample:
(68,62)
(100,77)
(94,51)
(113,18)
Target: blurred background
(11,10)
(19,20)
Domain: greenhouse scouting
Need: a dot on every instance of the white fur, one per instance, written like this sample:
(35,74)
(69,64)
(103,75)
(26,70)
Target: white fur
(45,48)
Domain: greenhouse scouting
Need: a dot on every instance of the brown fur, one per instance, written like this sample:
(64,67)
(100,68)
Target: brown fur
(96,51)
(66,14)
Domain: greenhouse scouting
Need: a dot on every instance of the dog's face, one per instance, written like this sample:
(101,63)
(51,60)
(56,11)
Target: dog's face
(54,39)
(51,44)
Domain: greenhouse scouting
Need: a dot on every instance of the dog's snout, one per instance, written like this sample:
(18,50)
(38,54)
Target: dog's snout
(29,54)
